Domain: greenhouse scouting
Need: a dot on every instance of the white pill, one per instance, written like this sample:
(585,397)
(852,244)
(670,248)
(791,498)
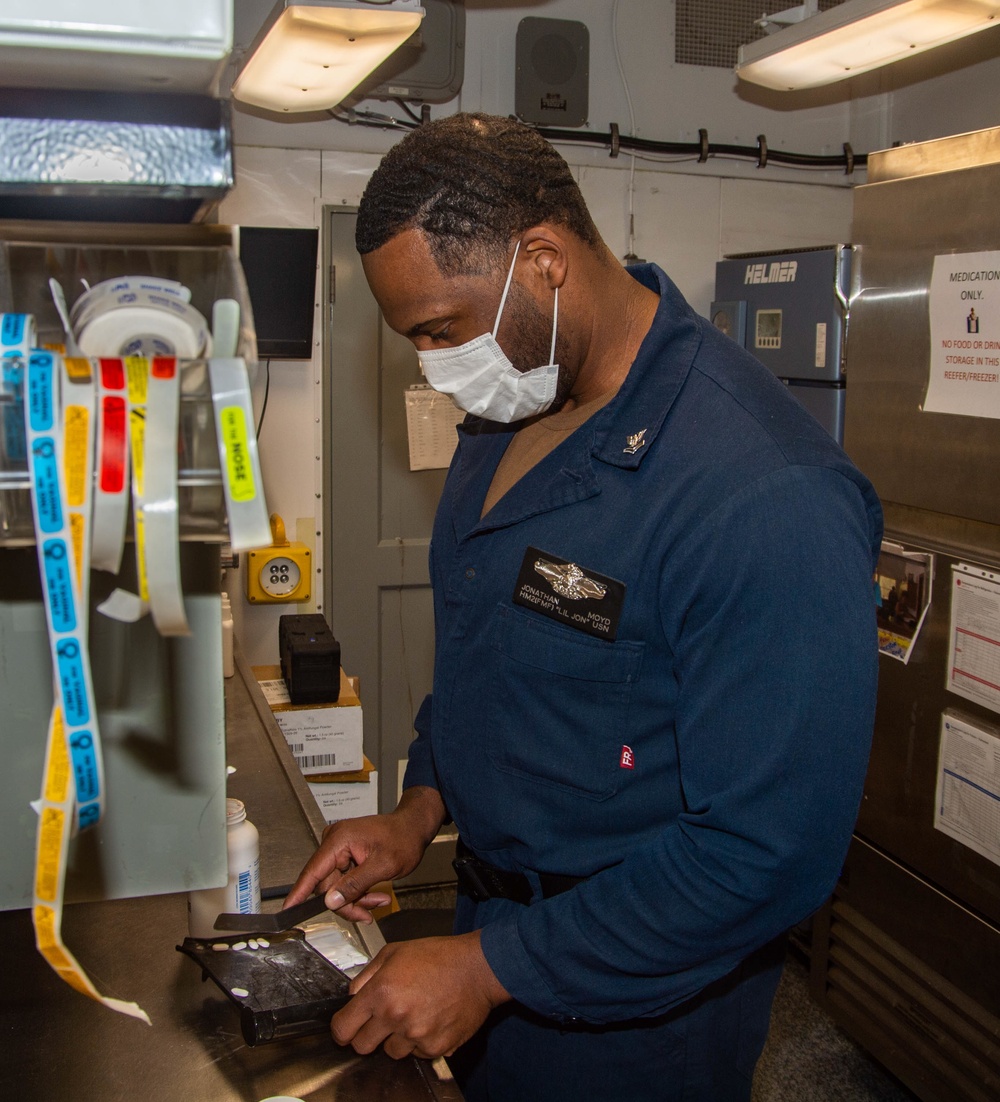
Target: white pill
(240,992)
(253,943)
(240,945)
(220,946)
(263,942)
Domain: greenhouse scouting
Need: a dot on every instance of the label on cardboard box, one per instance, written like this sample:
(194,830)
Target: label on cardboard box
(347,801)
(323,738)
(275,691)
(346,776)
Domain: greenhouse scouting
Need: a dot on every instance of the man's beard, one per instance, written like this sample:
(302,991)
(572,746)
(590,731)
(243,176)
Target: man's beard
(529,348)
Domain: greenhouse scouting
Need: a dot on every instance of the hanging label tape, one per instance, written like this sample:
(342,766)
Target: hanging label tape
(123,605)
(78,399)
(249,525)
(111,496)
(55,816)
(137,373)
(17,338)
(163,568)
(58,420)
(46,478)
(235,440)
(62,572)
(17,335)
(58,585)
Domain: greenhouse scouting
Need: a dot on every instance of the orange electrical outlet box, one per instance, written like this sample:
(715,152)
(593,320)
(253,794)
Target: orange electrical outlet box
(281,572)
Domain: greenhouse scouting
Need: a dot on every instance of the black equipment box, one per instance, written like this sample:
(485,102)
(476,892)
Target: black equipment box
(310,659)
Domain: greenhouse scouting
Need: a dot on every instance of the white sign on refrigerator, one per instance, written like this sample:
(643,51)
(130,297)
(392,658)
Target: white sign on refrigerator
(967,801)
(965,335)
(974,637)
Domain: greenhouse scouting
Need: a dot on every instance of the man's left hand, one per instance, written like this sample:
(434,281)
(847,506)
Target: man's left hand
(424,997)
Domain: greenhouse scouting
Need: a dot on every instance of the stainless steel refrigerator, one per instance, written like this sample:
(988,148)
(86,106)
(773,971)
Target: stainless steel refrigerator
(907,954)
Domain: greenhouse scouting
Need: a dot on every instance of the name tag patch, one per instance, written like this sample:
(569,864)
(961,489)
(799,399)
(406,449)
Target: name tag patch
(570,594)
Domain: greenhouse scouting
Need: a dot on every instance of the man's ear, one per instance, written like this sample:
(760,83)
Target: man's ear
(545,256)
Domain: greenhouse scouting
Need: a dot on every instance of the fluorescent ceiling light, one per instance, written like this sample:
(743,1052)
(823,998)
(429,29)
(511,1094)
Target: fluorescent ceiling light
(857,36)
(308,57)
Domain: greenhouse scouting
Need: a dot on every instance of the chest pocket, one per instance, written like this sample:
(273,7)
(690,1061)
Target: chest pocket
(558,706)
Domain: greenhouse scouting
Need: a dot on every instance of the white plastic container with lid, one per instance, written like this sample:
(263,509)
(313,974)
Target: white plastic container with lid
(241,893)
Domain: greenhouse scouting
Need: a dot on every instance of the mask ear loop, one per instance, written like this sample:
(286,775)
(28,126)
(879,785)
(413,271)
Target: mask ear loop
(555,322)
(506,288)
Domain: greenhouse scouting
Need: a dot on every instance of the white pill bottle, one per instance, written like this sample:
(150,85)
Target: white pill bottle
(241,893)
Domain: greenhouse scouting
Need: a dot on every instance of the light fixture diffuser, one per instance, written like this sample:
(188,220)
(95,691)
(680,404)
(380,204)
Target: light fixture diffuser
(308,57)
(857,36)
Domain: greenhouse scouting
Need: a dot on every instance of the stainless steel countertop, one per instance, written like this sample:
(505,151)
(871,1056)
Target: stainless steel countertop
(59,1044)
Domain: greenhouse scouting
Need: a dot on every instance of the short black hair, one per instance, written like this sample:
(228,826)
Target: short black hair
(470,182)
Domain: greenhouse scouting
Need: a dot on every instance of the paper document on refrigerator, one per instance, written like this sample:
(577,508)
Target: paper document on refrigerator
(964,307)
(967,800)
(974,639)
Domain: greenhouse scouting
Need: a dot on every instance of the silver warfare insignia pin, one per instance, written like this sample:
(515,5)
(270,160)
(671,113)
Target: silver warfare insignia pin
(589,602)
(568,580)
(635,442)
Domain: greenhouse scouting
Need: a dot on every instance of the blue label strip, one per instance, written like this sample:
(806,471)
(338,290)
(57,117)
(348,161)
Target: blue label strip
(88,815)
(72,684)
(63,602)
(12,330)
(81,748)
(13,353)
(45,471)
(59,584)
(40,368)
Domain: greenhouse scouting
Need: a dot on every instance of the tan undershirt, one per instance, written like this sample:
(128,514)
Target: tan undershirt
(531,444)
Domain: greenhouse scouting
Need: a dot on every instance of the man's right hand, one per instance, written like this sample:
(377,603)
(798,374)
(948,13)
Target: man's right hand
(356,854)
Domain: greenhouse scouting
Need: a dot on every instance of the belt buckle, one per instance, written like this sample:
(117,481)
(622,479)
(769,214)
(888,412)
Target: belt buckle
(470,882)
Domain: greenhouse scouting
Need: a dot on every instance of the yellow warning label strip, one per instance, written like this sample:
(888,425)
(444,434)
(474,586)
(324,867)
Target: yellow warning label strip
(54,821)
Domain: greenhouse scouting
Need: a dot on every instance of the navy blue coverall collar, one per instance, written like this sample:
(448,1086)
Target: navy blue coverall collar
(620,434)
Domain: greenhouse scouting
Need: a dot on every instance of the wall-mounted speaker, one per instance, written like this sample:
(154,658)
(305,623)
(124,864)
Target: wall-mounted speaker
(553,72)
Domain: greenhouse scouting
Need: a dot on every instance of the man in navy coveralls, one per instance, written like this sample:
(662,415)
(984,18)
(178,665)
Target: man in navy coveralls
(655,661)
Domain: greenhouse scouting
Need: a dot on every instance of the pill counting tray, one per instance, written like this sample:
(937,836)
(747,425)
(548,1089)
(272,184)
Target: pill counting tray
(282,988)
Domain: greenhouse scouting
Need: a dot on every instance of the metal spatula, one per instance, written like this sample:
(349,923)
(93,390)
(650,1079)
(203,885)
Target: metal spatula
(272,923)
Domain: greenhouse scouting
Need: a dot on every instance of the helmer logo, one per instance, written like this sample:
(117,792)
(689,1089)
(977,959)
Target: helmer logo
(781,271)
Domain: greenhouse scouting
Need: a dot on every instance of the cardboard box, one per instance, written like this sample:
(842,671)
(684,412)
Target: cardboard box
(323,738)
(347,799)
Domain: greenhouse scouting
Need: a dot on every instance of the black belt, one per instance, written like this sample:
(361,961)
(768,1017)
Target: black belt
(480,880)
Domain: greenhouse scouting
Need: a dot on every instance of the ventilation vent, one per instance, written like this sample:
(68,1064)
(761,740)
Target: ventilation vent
(710,32)
(907,1014)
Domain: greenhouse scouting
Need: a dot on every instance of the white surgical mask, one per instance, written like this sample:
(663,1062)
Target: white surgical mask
(484,382)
